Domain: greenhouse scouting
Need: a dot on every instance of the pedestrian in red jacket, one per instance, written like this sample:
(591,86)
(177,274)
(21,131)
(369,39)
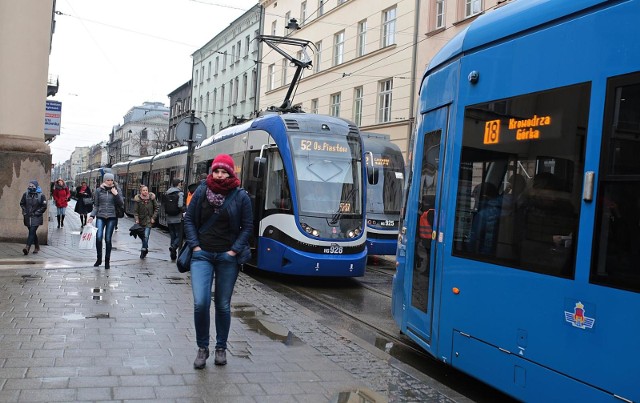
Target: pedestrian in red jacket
(61,195)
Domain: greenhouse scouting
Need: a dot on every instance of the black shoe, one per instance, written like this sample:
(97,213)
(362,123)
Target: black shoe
(26,250)
(201,358)
(106,265)
(97,263)
(172,252)
(221,357)
(143,253)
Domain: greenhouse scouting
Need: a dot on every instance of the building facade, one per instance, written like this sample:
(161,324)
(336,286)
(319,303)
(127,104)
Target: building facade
(363,55)
(24,156)
(226,73)
(180,108)
(368,57)
(145,131)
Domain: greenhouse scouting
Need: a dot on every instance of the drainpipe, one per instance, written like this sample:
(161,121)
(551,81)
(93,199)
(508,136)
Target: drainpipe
(256,97)
(412,97)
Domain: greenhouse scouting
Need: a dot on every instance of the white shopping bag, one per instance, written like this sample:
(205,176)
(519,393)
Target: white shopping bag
(88,237)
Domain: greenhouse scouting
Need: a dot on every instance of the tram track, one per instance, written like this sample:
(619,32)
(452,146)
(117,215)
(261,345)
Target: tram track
(353,317)
(370,320)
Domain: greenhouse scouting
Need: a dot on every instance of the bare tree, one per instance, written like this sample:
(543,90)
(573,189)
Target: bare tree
(140,140)
(161,139)
(151,141)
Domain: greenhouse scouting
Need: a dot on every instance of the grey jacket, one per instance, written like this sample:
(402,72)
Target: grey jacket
(176,219)
(104,202)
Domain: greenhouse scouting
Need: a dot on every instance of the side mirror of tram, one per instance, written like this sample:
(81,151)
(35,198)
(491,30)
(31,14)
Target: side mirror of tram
(259,166)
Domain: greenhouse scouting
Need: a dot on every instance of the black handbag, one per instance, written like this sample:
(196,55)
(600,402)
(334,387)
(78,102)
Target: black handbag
(184,255)
(119,210)
(184,258)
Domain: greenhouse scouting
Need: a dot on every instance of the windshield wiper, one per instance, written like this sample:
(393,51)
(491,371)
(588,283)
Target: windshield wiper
(338,214)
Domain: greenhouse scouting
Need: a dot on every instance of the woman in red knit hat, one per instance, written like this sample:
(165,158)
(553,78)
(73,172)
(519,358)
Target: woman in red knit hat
(217,227)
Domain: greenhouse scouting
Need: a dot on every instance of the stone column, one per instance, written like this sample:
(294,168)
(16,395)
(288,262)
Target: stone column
(25,43)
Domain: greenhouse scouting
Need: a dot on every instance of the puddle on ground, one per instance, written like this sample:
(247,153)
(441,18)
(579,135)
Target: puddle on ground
(45,264)
(99,316)
(16,262)
(363,395)
(258,322)
(73,316)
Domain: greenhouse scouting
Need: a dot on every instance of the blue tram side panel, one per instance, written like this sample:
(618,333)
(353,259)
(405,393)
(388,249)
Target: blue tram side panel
(385,190)
(305,175)
(525,159)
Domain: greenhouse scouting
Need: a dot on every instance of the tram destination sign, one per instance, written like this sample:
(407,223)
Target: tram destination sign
(519,129)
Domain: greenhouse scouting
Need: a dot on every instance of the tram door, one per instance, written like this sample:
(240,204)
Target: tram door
(421,295)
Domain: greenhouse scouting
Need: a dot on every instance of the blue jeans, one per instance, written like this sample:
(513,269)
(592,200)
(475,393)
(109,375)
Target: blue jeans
(60,210)
(32,237)
(145,240)
(205,266)
(105,228)
(175,232)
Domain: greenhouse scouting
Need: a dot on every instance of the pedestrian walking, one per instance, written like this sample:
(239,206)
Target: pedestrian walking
(61,196)
(84,202)
(145,214)
(218,250)
(173,208)
(107,195)
(33,204)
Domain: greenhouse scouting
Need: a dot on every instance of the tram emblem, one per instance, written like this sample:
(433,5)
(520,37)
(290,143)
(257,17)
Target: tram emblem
(577,318)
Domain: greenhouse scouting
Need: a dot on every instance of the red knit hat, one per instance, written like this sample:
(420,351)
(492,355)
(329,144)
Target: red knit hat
(225,162)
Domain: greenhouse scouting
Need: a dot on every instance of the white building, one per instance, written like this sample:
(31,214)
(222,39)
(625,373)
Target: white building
(226,72)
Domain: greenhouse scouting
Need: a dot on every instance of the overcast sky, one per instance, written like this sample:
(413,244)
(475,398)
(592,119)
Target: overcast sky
(113,55)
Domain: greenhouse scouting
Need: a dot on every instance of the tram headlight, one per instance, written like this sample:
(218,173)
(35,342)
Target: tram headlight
(351,233)
(310,230)
(358,231)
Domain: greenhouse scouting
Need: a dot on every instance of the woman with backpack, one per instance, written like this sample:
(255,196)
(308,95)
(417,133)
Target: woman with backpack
(145,214)
(33,205)
(217,226)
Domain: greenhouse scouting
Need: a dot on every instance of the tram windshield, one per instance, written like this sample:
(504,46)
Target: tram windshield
(385,196)
(328,175)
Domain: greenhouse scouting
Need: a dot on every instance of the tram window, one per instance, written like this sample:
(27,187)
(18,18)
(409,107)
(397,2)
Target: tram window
(519,182)
(617,226)
(278,193)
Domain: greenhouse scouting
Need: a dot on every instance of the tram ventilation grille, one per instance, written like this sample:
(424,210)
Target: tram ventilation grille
(353,130)
(292,124)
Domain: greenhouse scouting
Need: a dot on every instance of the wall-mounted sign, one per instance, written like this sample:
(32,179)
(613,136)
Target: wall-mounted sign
(52,119)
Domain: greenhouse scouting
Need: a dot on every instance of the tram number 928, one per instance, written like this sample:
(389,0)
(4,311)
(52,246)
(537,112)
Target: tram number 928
(334,249)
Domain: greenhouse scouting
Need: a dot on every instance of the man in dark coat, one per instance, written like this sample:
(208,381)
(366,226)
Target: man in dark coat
(33,204)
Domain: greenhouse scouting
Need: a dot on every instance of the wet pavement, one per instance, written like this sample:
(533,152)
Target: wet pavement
(73,332)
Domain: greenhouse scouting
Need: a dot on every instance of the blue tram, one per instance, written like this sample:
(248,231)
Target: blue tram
(305,175)
(518,260)
(385,191)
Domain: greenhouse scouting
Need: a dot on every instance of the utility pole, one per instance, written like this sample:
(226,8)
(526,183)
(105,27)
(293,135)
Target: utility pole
(187,172)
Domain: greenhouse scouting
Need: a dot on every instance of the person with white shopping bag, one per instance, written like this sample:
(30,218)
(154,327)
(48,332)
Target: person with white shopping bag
(106,196)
